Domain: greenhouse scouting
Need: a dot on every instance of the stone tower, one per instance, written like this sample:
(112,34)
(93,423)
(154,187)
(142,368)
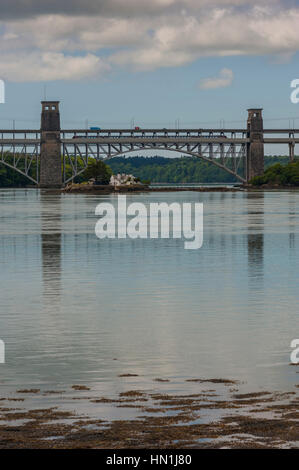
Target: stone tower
(50,158)
(255,148)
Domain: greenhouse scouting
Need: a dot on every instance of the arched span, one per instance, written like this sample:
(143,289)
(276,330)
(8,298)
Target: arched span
(19,171)
(219,165)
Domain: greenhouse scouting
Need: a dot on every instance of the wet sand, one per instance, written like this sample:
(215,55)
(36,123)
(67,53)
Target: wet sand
(218,416)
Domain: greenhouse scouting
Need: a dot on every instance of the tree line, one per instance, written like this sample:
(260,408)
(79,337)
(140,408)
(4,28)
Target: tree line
(278,174)
(179,170)
(155,169)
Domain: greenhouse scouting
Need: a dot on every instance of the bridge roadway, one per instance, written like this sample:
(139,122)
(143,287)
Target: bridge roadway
(37,153)
(160,140)
(135,131)
(160,136)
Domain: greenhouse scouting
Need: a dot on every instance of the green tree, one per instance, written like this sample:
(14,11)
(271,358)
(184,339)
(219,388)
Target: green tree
(99,171)
(283,175)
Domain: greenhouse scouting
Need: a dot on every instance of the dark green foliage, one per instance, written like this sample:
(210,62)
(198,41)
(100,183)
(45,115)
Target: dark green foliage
(178,170)
(150,169)
(99,171)
(170,170)
(282,175)
(11,178)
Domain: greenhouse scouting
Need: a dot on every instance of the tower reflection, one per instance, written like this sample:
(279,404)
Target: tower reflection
(51,247)
(255,239)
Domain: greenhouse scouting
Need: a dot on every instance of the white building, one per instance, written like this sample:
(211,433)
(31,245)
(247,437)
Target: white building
(122,179)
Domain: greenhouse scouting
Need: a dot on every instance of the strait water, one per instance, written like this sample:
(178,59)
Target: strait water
(79,310)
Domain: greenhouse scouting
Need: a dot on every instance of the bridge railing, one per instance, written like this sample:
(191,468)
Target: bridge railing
(226,148)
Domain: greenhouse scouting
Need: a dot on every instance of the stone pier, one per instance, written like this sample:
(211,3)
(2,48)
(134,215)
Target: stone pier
(255,148)
(50,158)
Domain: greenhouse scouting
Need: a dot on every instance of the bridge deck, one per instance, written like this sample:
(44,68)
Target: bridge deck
(158,129)
(150,140)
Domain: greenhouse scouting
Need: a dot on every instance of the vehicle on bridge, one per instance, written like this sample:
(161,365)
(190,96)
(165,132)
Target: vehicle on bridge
(240,152)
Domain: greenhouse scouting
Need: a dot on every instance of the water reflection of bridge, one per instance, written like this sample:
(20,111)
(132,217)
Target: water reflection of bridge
(51,247)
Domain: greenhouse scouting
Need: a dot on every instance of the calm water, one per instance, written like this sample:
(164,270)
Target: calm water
(75,309)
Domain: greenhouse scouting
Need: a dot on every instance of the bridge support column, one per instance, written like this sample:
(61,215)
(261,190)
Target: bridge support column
(50,158)
(292,149)
(255,148)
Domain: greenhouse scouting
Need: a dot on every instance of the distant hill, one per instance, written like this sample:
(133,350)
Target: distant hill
(179,170)
(155,169)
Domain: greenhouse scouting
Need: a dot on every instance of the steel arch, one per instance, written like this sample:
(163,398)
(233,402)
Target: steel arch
(93,150)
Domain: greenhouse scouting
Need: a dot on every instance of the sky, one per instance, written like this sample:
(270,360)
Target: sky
(185,63)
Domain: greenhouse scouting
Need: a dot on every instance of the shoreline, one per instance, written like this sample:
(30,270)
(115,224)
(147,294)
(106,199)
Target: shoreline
(90,189)
(108,189)
(216,415)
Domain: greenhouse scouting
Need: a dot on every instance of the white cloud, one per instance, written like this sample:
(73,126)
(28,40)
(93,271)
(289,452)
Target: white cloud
(88,35)
(224,80)
(49,66)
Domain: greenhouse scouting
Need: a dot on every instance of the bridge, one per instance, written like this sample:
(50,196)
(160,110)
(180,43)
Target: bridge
(38,154)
